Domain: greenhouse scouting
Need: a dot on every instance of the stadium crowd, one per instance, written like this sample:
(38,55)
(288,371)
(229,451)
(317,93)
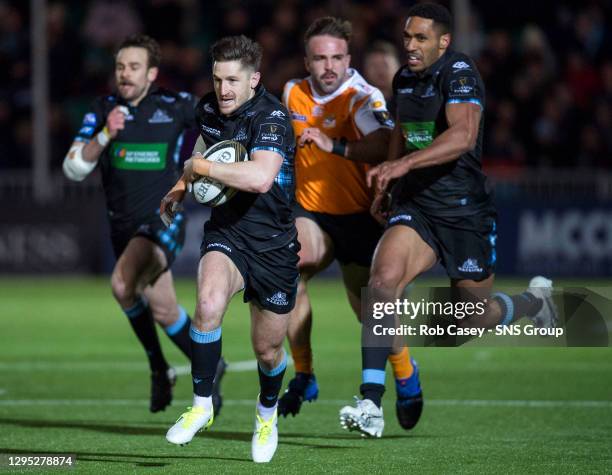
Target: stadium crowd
(547,66)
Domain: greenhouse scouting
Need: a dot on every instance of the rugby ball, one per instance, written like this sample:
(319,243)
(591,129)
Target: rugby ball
(210,192)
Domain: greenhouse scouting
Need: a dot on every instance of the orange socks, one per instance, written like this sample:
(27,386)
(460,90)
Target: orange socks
(402,366)
(302,359)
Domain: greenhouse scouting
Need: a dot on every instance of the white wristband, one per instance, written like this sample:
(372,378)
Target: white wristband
(103,137)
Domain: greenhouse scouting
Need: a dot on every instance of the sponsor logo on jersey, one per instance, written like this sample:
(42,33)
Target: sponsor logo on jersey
(90,119)
(470,266)
(298,117)
(405,90)
(329,121)
(279,298)
(418,135)
(400,217)
(138,156)
(271,133)
(463,86)
(168,99)
(383,118)
(160,117)
(460,65)
(278,114)
(213,245)
(86,131)
(210,130)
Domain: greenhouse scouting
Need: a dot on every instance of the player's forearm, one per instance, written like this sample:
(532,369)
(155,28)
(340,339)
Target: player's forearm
(370,149)
(92,151)
(245,176)
(447,147)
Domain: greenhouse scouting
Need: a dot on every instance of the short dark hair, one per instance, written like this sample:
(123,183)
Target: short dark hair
(147,43)
(232,48)
(382,47)
(329,25)
(440,15)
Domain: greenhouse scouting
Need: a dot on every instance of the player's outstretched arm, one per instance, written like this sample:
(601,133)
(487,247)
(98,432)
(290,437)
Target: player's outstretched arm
(369,149)
(254,176)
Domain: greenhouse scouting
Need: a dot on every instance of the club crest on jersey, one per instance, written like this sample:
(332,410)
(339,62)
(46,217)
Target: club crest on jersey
(429,92)
(329,122)
(208,108)
(160,117)
(317,111)
(470,266)
(241,135)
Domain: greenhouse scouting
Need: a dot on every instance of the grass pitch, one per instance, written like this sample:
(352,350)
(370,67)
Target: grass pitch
(73,379)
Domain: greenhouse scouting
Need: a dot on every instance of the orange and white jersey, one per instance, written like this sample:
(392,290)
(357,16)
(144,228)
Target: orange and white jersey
(328,183)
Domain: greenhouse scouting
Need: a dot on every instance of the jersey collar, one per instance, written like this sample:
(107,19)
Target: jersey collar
(353,76)
(437,65)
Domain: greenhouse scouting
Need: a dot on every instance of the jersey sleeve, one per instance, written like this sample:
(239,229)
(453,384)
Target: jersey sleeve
(93,121)
(187,104)
(372,114)
(462,83)
(272,130)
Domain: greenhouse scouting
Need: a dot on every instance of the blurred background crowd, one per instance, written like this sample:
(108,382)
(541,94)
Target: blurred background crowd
(547,66)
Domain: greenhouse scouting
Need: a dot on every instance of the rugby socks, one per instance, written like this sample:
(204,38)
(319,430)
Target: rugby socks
(179,332)
(401,364)
(270,382)
(373,361)
(517,306)
(205,355)
(302,359)
(141,319)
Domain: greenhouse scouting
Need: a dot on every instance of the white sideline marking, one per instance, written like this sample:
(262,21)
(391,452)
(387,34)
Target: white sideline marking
(326,402)
(233,367)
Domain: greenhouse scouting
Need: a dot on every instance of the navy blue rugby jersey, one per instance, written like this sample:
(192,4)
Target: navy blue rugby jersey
(458,187)
(254,221)
(141,163)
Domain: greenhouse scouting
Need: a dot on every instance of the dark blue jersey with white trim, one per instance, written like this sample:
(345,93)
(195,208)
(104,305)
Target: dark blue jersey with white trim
(254,221)
(458,187)
(141,163)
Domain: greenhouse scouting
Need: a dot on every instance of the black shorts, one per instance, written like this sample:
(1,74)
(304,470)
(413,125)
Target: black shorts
(354,236)
(270,278)
(465,245)
(169,239)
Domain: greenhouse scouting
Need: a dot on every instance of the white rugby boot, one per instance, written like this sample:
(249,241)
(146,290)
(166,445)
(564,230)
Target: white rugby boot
(265,437)
(364,417)
(189,424)
(541,287)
